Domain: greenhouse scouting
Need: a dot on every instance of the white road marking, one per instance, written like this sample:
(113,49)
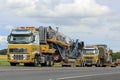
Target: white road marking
(86,76)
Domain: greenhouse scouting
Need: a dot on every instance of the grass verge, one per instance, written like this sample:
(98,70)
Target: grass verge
(3,60)
(4,63)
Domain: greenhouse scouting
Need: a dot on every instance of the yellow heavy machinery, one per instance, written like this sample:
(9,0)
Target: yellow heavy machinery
(97,55)
(89,55)
(23,46)
(105,56)
(44,46)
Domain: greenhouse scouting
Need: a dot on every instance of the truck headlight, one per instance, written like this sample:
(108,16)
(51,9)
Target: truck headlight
(27,57)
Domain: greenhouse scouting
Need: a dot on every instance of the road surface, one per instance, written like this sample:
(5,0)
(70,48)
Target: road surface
(59,73)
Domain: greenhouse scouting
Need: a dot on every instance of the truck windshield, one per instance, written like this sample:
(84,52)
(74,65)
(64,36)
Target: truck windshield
(20,39)
(89,51)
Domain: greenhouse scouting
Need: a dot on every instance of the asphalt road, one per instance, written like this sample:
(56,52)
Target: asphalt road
(59,73)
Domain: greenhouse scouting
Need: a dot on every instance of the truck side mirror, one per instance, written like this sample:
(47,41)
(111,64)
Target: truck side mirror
(8,38)
(33,38)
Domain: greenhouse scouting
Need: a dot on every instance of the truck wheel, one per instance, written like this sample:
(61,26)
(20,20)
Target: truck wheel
(99,63)
(35,61)
(51,63)
(13,64)
(47,63)
(89,65)
(25,64)
(82,64)
(43,64)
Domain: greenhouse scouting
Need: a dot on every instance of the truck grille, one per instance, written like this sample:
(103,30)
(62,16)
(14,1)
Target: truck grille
(89,59)
(18,57)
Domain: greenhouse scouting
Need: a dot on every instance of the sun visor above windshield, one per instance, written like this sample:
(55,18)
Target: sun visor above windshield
(21,32)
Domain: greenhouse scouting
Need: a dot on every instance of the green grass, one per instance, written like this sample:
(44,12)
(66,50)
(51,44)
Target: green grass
(4,63)
(3,60)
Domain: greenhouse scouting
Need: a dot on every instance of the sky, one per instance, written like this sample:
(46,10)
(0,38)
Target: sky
(91,21)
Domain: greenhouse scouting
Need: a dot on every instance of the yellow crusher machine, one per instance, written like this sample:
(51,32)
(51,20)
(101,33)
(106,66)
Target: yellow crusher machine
(44,45)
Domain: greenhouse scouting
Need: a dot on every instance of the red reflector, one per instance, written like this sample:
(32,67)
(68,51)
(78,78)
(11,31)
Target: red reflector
(55,58)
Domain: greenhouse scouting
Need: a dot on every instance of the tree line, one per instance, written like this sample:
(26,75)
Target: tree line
(3,52)
(115,56)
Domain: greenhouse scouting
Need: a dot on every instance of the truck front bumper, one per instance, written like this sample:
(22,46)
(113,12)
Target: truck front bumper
(21,61)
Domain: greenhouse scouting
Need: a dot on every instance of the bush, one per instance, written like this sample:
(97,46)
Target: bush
(3,52)
(116,56)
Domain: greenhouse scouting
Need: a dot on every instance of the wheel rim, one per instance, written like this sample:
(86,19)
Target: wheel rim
(47,63)
(35,62)
(51,63)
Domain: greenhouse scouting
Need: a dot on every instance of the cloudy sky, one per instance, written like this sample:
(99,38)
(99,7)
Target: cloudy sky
(91,21)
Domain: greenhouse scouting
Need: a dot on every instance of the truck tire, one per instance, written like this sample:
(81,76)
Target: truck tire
(51,63)
(13,64)
(35,61)
(89,65)
(82,64)
(99,63)
(47,63)
(27,64)
(43,64)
